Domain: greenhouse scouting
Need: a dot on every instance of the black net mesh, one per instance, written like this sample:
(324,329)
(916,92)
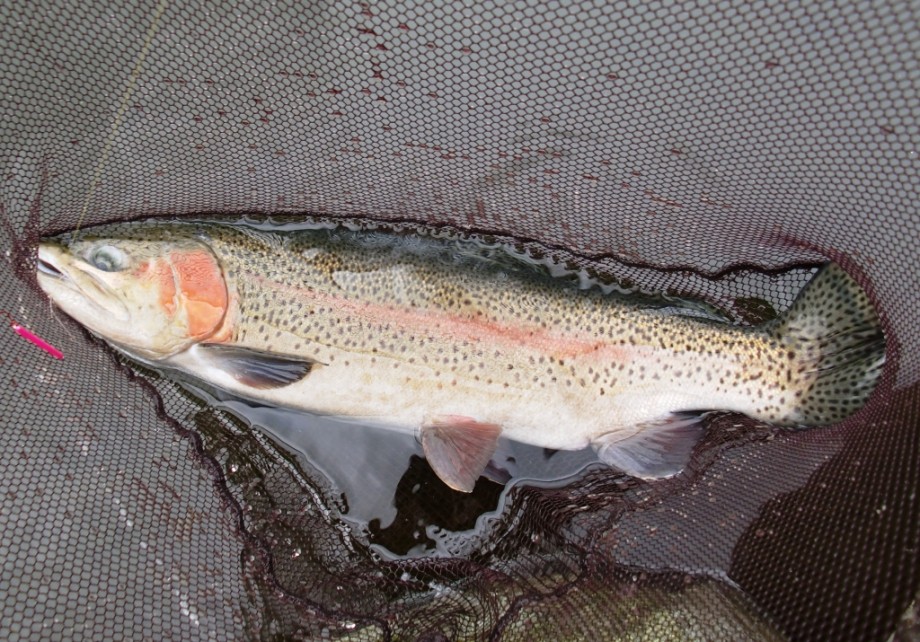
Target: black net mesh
(717,150)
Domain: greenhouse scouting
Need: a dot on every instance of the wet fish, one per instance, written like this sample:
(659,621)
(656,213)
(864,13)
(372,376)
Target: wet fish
(456,344)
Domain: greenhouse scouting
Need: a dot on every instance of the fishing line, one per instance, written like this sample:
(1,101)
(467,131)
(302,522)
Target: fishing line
(52,312)
(123,108)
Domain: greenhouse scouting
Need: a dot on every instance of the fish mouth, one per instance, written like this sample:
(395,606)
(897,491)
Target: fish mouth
(49,259)
(48,269)
(60,279)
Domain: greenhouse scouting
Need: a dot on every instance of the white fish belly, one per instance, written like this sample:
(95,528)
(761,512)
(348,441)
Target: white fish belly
(398,395)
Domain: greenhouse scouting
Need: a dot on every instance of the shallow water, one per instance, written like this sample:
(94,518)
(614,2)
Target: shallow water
(392,498)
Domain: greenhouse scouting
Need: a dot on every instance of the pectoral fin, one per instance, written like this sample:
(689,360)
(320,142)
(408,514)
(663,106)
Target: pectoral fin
(458,449)
(262,370)
(659,449)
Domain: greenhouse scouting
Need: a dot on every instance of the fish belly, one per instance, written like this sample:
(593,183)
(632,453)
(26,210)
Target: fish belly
(560,406)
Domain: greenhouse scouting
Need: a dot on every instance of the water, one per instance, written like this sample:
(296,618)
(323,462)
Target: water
(392,498)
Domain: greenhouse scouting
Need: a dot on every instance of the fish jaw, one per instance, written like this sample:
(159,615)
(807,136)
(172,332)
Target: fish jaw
(164,299)
(80,293)
(101,302)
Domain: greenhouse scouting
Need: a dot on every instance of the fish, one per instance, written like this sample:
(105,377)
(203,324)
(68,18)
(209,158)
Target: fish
(456,343)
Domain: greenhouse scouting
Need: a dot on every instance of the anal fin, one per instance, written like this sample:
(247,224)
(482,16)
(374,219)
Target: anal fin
(459,448)
(660,449)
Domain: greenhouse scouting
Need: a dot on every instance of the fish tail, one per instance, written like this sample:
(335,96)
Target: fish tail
(837,347)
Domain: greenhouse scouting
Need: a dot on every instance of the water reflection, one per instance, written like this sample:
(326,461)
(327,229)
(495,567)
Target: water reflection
(392,497)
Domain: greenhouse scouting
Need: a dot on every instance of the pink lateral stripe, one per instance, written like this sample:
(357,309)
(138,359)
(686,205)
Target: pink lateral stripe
(426,322)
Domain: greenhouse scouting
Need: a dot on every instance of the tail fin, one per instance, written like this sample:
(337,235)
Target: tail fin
(837,345)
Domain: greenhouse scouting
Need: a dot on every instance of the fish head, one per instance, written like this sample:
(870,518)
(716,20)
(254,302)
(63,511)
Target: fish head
(152,298)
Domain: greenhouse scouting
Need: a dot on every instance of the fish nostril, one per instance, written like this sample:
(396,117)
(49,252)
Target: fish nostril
(47,268)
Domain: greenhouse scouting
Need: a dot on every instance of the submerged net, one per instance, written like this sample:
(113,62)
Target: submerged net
(717,151)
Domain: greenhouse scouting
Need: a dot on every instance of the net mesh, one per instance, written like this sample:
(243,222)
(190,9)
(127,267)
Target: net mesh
(694,150)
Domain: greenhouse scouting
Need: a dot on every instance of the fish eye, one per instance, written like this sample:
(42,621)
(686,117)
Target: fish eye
(108,258)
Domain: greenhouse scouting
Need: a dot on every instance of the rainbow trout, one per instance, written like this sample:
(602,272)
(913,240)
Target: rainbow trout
(455,344)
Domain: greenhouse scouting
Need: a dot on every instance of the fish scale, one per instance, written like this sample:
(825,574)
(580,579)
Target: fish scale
(460,343)
(533,307)
(557,315)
